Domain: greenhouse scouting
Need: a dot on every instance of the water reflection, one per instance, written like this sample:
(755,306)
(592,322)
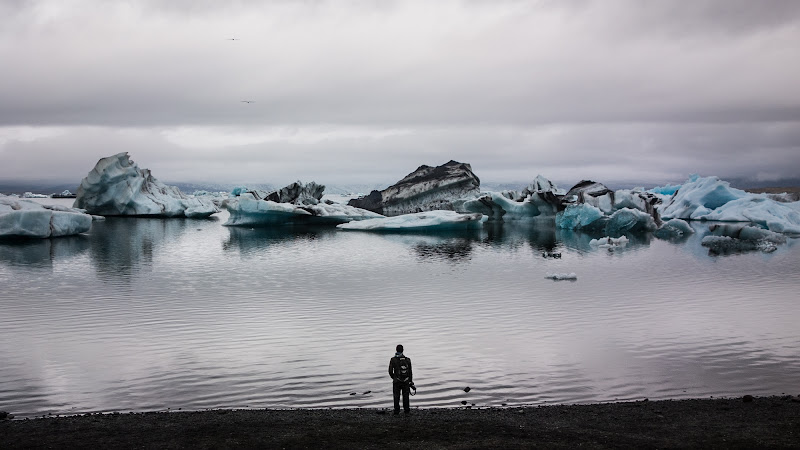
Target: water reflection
(42,252)
(122,246)
(248,241)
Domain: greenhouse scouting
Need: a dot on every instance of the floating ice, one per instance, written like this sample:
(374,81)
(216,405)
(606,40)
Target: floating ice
(540,198)
(117,187)
(736,237)
(674,228)
(710,198)
(562,276)
(247,209)
(609,242)
(578,217)
(628,219)
(429,220)
(24,218)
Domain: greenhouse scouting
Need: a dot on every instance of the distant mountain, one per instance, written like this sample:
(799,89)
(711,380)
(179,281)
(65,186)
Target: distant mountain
(37,187)
(49,187)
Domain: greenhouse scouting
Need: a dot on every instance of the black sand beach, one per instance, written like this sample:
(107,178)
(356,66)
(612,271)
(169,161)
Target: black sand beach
(712,423)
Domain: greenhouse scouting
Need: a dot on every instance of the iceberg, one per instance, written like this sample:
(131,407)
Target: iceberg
(580,217)
(295,204)
(629,219)
(710,198)
(425,189)
(540,199)
(117,187)
(609,242)
(674,228)
(25,218)
(428,221)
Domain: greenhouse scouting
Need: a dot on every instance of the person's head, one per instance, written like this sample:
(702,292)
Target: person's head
(399,349)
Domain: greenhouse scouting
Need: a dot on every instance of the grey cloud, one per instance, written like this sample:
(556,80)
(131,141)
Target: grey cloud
(624,90)
(509,63)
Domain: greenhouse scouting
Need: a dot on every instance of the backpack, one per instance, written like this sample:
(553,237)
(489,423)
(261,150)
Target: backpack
(402,368)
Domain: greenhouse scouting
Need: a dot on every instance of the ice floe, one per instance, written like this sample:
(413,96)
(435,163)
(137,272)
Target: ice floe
(25,218)
(562,276)
(295,204)
(429,221)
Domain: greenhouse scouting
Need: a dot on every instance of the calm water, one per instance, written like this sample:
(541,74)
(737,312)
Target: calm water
(151,314)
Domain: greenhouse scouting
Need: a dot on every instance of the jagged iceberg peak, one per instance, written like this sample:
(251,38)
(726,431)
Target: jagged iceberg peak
(117,187)
(295,204)
(542,185)
(298,194)
(425,189)
(25,218)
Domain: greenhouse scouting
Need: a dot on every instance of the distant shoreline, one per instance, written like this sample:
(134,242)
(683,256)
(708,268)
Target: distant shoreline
(726,422)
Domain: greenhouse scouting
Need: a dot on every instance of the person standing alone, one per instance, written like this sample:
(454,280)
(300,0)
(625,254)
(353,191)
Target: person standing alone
(402,379)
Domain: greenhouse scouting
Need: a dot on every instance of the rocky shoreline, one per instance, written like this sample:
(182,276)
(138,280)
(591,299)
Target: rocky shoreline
(723,423)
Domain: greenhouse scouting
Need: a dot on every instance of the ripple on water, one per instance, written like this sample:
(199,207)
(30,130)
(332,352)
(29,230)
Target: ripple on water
(154,314)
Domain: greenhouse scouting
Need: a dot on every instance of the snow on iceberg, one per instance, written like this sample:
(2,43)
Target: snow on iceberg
(710,198)
(24,218)
(428,221)
(295,204)
(117,187)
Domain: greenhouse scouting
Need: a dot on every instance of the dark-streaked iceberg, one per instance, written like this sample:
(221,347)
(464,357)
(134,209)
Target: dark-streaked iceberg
(296,204)
(25,218)
(117,187)
(710,198)
(422,221)
(591,206)
(425,189)
(539,199)
(737,237)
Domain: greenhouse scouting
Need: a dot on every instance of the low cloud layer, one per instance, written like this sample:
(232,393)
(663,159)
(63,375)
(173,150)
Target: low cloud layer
(364,92)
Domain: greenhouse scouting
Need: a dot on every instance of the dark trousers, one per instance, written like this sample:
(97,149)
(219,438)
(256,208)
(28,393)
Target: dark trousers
(397,388)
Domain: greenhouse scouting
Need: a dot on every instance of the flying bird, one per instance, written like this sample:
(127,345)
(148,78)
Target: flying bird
(233,39)
(248,101)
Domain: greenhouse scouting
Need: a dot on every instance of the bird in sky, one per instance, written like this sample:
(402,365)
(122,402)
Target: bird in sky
(233,39)
(248,101)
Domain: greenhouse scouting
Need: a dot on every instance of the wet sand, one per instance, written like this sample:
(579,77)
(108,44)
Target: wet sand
(715,423)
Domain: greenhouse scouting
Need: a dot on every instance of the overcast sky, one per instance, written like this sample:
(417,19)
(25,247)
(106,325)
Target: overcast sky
(345,92)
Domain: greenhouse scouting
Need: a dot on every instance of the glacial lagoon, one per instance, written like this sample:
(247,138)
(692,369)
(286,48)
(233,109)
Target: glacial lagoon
(168,314)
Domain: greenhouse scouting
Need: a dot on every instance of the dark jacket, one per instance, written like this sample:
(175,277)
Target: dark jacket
(395,371)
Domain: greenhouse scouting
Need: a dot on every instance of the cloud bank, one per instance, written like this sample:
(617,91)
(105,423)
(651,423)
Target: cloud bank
(364,92)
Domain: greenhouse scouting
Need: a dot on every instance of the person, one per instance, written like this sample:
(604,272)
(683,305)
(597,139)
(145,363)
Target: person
(402,379)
